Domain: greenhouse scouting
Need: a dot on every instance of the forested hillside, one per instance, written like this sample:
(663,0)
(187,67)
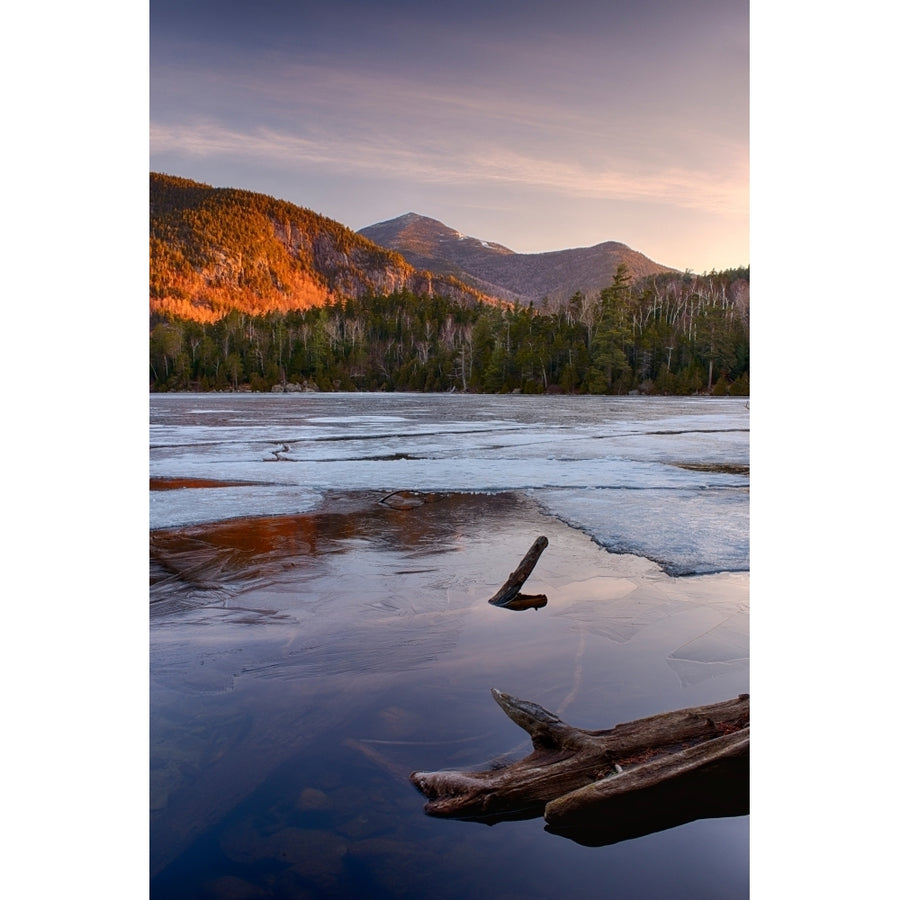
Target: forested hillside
(252,293)
(668,334)
(218,250)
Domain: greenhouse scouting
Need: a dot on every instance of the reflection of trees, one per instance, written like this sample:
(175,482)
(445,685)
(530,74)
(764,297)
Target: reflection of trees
(188,564)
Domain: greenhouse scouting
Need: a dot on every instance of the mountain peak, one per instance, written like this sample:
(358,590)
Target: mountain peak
(414,224)
(407,219)
(556,275)
(418,236)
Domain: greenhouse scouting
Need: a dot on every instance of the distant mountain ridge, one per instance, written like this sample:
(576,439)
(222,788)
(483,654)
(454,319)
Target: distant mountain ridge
(214,250)
(494,269)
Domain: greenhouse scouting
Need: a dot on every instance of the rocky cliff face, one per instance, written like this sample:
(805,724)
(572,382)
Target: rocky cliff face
(213,250)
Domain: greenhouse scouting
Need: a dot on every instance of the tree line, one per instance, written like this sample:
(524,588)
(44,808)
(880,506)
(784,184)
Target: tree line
(668,334)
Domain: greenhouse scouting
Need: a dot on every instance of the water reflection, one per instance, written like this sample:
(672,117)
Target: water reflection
(302,666)
(720,792)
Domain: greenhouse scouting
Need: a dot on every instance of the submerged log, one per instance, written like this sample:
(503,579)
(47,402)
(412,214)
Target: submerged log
(508,596)
(602,786)
(404,500)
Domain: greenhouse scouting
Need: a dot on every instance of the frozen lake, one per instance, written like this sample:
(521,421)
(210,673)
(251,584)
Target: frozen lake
(311,644)
(660,477)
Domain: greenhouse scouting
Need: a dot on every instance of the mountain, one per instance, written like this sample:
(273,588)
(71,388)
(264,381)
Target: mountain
(213,250)
(494,269)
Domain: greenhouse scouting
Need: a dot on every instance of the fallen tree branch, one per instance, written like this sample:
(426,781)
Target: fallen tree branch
(602,786)
(508,596)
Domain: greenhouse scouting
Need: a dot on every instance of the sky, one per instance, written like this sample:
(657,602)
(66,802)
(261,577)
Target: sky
(538,125)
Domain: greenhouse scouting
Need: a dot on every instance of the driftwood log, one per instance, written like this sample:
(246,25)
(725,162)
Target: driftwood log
(599,787)
(508,596)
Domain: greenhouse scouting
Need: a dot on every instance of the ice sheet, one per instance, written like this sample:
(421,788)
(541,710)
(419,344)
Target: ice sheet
(617,468)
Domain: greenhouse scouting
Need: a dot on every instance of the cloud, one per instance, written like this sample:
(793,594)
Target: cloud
(463,163)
